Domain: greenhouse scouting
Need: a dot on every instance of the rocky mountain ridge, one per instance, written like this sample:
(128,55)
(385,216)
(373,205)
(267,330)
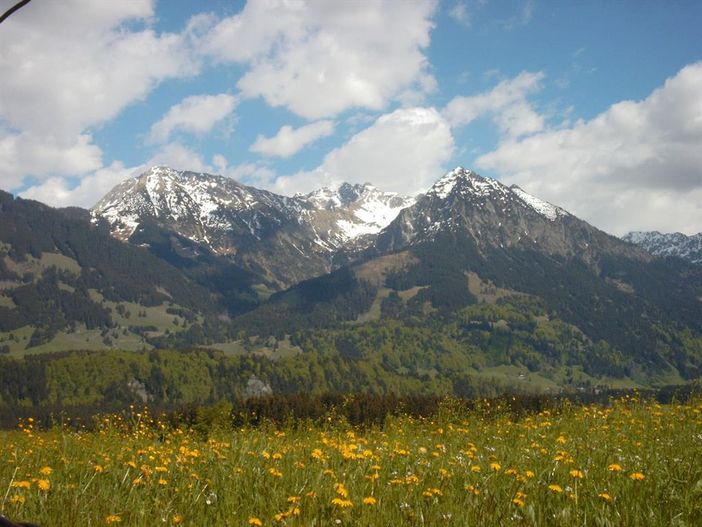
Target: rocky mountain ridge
(669,244)
(287,239)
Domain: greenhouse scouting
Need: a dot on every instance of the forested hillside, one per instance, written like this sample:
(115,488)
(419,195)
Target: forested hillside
(60,274)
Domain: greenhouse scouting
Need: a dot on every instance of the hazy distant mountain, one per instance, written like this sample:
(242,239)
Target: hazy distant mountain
(673,244)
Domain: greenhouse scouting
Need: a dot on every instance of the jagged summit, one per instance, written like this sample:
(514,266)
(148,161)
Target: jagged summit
(494,216)
(255,226)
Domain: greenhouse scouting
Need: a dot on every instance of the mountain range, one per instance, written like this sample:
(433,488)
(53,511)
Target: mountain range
(426,292)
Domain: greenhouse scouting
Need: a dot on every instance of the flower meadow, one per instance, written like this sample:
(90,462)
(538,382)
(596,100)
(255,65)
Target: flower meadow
(631,462)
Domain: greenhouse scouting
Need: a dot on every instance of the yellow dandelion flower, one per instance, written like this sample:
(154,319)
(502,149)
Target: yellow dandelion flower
(162,481)
(21,484)
(577,473)
(44,485)
(255,521)
(342,503)
(529,474)
(17,499)
(475,468)
(604,496)
(614,467)
(495,466)
(369,500)
(518,502)
(561,440)
(637,476)
(293,499)
(555,488)
(113,518)
(472,490)
(46,471)
(341,490)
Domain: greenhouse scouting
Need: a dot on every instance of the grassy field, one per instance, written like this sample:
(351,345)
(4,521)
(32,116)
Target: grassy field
(632,463)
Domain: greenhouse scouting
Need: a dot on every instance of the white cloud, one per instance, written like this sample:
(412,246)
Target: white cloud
(319,58)
(289,140)
(24,154)
(180,157)
(196,114)
(403,151)
(60,192)
(69,66)
(459,12)
(637,165)
(506,103)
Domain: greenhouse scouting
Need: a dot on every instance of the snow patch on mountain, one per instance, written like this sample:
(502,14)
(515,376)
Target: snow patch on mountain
(540,206)
(669,244)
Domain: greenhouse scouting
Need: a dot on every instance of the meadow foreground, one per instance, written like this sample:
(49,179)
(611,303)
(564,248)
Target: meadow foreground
(631,463)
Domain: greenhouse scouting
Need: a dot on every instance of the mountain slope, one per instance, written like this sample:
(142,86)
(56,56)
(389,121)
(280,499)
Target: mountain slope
(688,248)
(282,239)
(60,274)
(494,215)
(471,241)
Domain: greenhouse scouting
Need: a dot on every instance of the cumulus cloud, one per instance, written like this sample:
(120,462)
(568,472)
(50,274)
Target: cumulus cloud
(69,66)
(62,192)
(24,154)
(507,104)
(402,151)
(636,165)
(180,157)
(347,57)
(196,114)
(289,140)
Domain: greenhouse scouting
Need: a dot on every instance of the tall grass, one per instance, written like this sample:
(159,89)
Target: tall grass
(630,463)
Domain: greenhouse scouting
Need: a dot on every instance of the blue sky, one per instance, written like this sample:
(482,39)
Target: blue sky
(594,106)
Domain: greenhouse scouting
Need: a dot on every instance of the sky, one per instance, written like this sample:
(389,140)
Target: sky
(594,106)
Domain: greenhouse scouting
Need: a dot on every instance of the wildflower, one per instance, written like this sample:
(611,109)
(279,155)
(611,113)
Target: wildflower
(605,497)
(472,490)
(21,484)
(341,490)
(495,466)
(293,499)
(17,499)
(555,488)
(162,481)
(369,500)
(113,518)
(342,503)
(275,472)
(614,467)
(637,476)
(44,485)
(46,471)
(255,521)
(518,502)
(529,474)
(577,473)
(561,440)
(475,468)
